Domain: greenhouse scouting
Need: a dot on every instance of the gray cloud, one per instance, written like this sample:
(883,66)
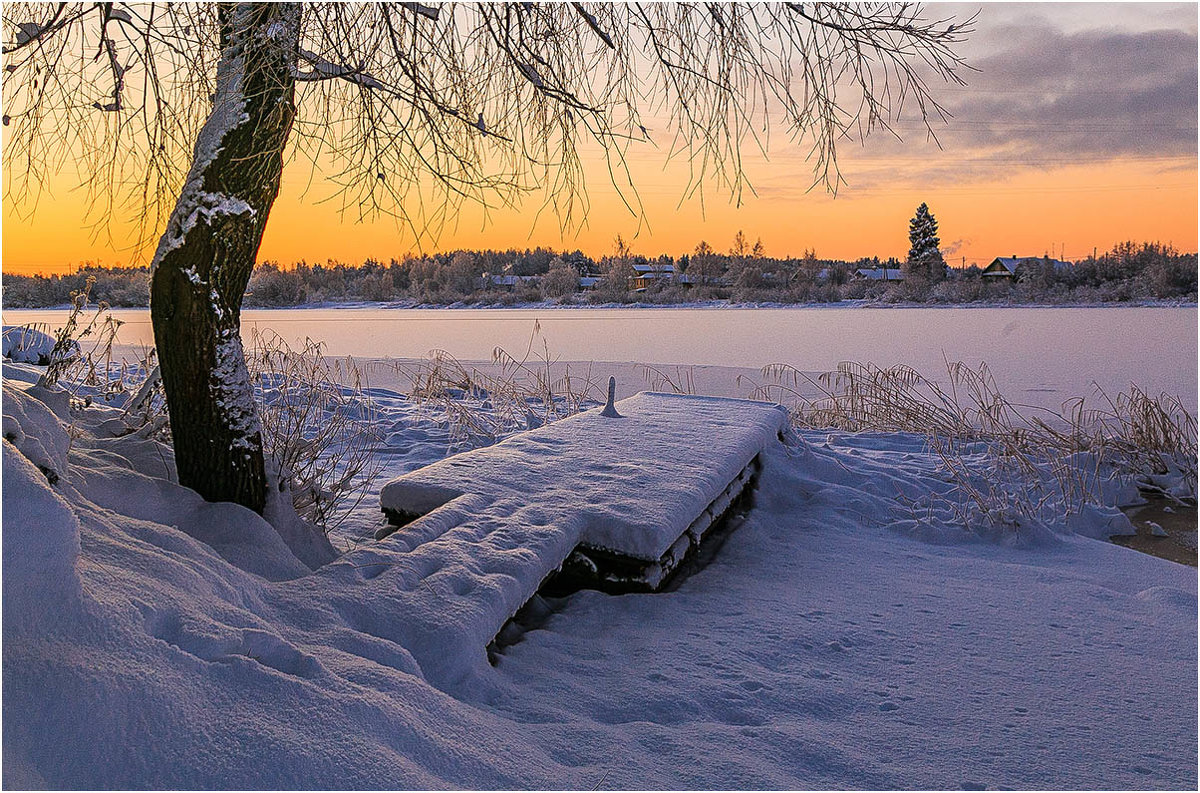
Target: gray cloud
(1044,98)
(1093,93)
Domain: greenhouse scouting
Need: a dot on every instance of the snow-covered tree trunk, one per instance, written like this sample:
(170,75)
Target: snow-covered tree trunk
(205,257)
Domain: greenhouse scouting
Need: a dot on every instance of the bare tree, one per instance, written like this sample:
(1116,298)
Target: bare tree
(186,114)
(560,280)
(617,271)
(705,266)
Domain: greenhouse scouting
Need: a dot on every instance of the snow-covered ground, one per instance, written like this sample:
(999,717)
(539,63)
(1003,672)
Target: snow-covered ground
(848,634)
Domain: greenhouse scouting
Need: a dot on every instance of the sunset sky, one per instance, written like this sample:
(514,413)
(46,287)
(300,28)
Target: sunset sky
(1077,131)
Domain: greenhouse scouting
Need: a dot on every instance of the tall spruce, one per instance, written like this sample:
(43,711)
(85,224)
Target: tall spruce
(924,257)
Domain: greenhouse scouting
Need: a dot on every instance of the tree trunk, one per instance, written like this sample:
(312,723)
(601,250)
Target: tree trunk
(204,259)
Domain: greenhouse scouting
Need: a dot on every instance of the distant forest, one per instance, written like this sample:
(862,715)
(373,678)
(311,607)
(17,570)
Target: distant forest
(744,274)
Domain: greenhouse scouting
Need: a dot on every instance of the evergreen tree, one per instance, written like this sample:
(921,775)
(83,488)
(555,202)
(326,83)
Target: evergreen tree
(924,258)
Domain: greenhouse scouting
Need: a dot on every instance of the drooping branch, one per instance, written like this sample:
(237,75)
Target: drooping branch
(407,109)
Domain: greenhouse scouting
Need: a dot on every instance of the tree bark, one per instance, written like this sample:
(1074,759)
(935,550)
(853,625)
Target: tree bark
(204,259)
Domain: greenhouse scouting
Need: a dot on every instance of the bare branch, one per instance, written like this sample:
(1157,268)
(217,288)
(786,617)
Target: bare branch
(408,109)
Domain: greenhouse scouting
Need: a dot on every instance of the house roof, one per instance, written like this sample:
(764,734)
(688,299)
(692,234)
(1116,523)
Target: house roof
(643,269)
(879,273)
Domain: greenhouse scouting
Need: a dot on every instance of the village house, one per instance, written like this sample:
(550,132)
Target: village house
(1005,267)
(646,274)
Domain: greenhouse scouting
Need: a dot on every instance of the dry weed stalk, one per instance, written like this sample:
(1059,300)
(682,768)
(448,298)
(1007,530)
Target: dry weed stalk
(319,426)
(68,360)
(1154,435)
(682,382)
(479,408)
(1035,464)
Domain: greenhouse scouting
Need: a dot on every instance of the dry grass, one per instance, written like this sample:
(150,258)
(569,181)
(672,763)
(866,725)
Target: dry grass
(1009,463)
(677,379)
(480,407)
(320,427)
(1145,434)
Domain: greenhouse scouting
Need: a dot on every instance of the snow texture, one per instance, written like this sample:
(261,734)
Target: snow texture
(26,345)
(644,476)
(830,644)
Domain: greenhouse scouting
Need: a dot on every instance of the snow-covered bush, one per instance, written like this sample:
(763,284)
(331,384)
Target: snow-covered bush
(27,344)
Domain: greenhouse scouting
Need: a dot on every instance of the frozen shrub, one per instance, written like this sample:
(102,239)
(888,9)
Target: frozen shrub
(318,427)
(561,280)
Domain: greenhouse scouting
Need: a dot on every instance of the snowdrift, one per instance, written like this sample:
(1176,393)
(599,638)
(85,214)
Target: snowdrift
(153,640)
(28,345)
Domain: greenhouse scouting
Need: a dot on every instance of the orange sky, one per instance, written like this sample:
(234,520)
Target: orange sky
(1031,213)
(1081,206)
(1025,187)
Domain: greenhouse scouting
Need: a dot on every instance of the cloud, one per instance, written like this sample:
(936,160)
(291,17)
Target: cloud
(1043,99)
(1092,93)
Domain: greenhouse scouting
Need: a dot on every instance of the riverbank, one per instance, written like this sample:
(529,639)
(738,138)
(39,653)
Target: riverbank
(1165,529)
(700,304)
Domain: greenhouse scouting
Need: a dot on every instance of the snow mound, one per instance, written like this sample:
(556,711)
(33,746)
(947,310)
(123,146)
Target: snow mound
(41,546)
(238,535)
(26,345)
(1100,522)
(36,432)
(1171,598)
(820,649)
(21,372)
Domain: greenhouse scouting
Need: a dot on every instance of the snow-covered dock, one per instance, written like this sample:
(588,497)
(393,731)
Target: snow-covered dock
(625,498)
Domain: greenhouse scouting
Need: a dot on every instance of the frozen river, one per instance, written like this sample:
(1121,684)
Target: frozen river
(1038,355)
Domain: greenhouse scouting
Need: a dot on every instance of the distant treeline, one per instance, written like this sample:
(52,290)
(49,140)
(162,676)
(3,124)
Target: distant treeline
(1129,272)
